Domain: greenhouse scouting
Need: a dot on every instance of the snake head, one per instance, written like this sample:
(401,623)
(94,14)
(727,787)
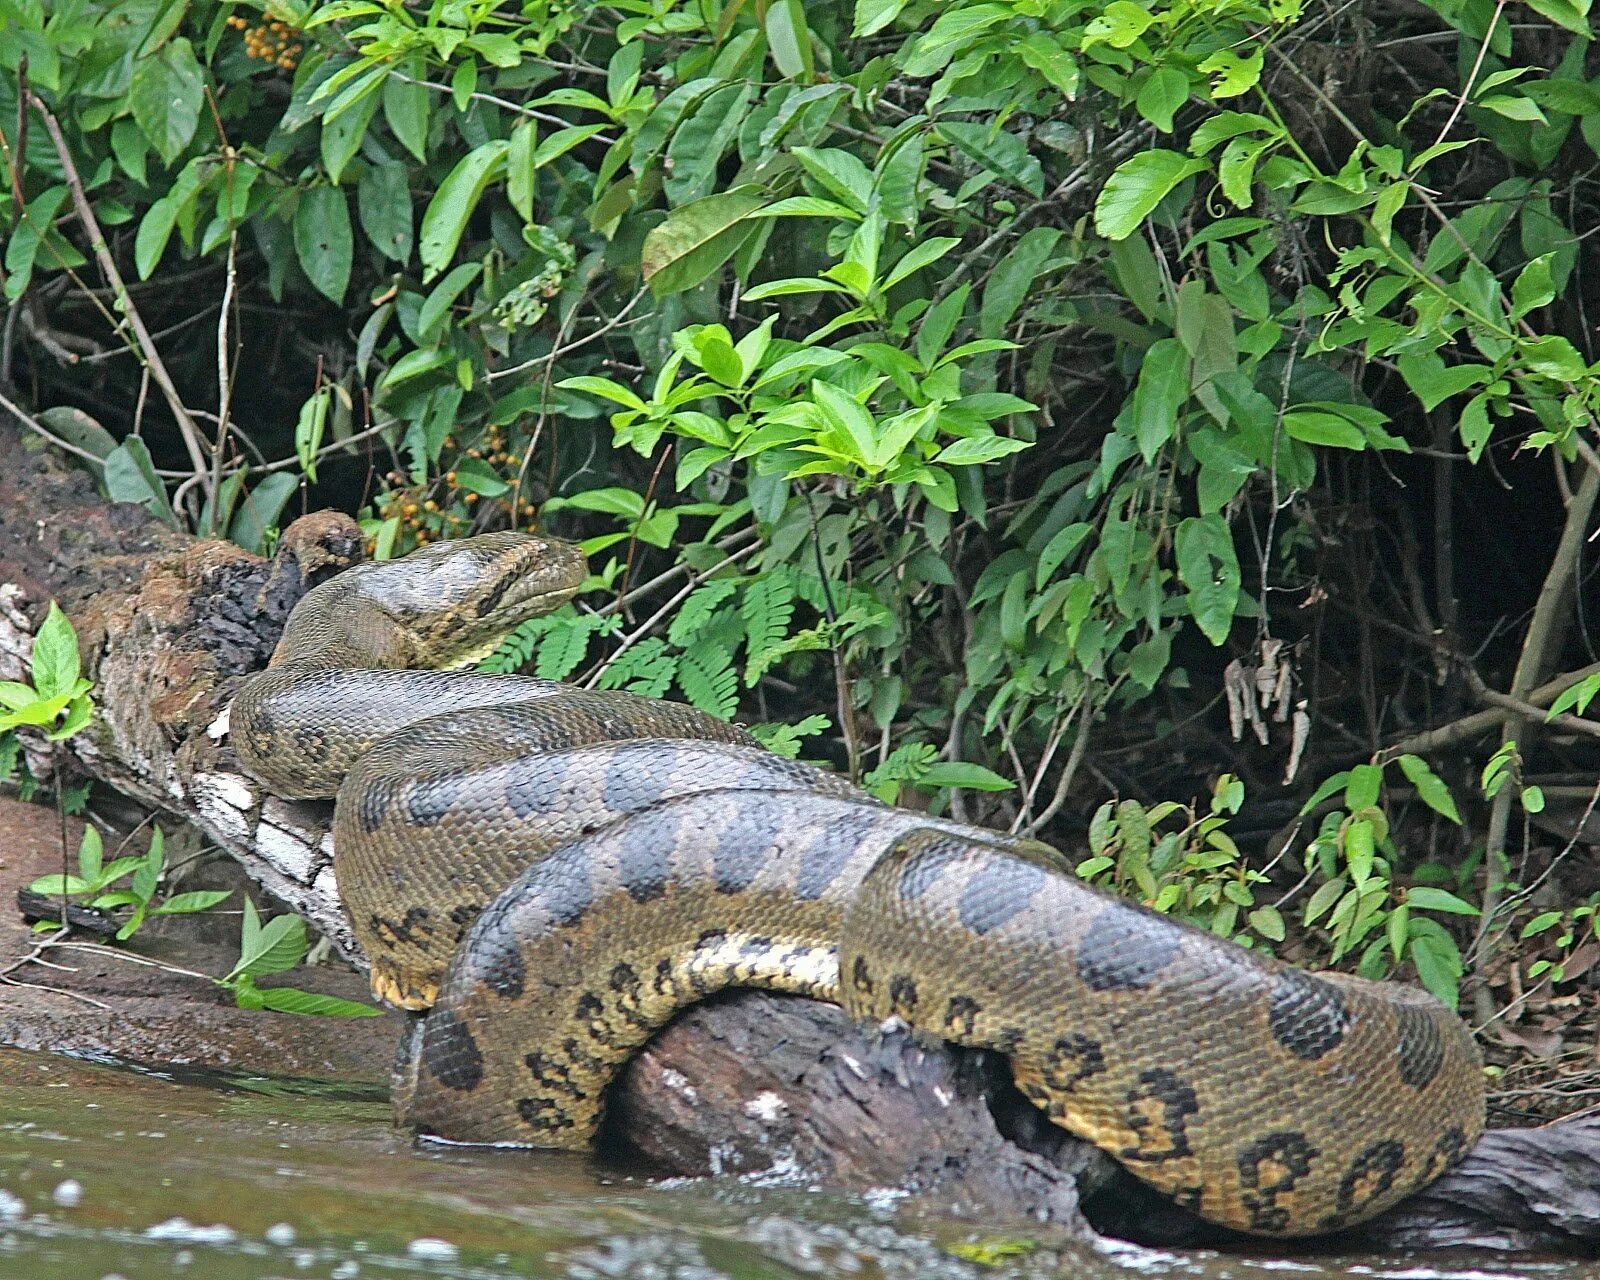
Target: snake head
(455,600)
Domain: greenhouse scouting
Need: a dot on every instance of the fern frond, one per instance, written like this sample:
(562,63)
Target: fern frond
(708,680)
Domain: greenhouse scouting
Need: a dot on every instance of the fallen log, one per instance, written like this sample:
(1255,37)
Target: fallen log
(169,625)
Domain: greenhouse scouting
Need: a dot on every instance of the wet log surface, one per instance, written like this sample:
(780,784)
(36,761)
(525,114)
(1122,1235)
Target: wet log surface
(752,1083)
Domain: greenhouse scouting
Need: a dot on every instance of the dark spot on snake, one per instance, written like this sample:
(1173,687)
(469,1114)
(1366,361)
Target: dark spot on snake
(961,1015)
(566,889)
(999,890)
(925,863)
(429,800)
(492,597)
(531,791)
(644,856)
(1073,1059)
(860,978)
(543,1113)
(635,782)
(553,1073)
(449,1053)
(495,960)
(1008,1040)
(377,797)
(465,913)
(1124,949)
(829,854)
(1161,1130)
(744,847)
(1306,1014)
(1370,1175)
(624,979)
(1452,1143)
(311,743)
(903,994)
(576,1054)
(1421,1046)
(1270,1168)
(414,928)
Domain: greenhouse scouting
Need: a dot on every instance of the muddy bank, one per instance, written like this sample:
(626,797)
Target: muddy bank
(97,1003)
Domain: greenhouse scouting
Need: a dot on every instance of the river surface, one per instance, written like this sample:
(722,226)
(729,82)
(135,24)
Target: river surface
(108,1173)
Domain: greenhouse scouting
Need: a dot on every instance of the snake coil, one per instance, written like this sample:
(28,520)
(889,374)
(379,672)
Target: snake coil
(554,873)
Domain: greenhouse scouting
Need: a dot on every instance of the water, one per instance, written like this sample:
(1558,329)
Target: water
(108,1173)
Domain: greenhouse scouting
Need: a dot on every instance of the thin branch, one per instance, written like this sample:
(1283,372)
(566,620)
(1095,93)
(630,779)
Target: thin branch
(108,267)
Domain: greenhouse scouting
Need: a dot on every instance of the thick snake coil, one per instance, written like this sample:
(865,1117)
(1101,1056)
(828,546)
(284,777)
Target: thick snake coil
(557,872)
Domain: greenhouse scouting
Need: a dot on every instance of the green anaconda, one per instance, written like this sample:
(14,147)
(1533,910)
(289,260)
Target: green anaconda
(554,873)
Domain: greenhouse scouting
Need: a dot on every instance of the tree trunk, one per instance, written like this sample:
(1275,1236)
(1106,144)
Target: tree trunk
(169,625)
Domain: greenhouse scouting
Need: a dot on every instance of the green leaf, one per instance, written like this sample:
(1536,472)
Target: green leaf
(959,773)
(1555,357)
(55,659)
(77,427)
(1120,23)
(91,854)
(521,167)
(166,94)
(1433,382)
(431,314)
(1576,697)
(342,133)
(975,450)
(1268,922)
(308,430)
(1434,970)
(1360,849)
(187,903)
(920,256)
(1162,390)
(1541,923)
(155,229)
(874,15)
(58,884)
(697,238)
(293,1000)
(789,39)
(273,947)
(998,151)
(1515,107)
(1315,427)
(1426,898)
(1571,14)
(383,202)
(1430,787)
(130,476)
(477,476)
(445,221)
(1364,785)
(1159,98)
(322,240)
(406,107)
(953,30)
(1139,184)
(1010,283)
(1208,566)
(260,510)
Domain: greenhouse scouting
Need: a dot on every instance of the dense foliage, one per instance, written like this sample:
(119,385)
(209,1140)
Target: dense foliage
(1020,403)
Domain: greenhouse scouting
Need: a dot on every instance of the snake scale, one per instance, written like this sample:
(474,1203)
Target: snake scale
(553,873)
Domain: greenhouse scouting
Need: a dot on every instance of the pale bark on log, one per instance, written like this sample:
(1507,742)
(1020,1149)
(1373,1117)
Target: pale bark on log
(169,625)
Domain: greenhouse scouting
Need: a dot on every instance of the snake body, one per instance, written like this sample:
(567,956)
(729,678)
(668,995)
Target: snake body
(554,873)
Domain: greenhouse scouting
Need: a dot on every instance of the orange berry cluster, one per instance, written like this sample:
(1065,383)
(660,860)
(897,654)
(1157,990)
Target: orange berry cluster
(424,519)
(273,42)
